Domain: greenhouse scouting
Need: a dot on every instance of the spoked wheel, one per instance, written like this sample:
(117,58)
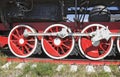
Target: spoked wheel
(19,45)
(118,44)
(94,51)
(54,46)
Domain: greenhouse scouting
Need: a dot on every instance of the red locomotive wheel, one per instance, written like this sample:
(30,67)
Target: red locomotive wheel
(99,49)
(19,45)
(118,44)
(54,46)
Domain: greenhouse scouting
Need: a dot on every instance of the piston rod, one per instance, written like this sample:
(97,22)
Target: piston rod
(103,33)
(56,34)
(63,33)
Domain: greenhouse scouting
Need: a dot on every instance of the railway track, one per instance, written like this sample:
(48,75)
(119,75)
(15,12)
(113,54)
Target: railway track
(66,61)
(62,61)
(9,57)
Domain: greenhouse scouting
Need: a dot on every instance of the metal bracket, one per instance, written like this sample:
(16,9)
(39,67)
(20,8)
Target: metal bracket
(63,33)
(100,34)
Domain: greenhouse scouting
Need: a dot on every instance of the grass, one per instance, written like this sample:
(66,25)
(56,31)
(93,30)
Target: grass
(2,55)
(49,70)
(42,69)
(115,70)
(8,72)
(2,58)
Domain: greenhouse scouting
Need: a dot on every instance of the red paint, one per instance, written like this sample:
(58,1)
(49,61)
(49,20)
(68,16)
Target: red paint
(65,61)
(50,49)
(3,41)
(16,49)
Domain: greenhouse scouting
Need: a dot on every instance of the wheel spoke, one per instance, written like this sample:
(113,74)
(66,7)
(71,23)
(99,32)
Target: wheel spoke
(23,49)
(30,40)
(65,46)
(27,49)
(62,49)
(50,38)
(57,49)
(14,41)
(51,30)
(17,48)
(88,37)
(31,46)
(92,29)
(15,36)
(22,29)
(102,48)
(67,40)
(57,29)
(17,33)
(50,41)
(108,44)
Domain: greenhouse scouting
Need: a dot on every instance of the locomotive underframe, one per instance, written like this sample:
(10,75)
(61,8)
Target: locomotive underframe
(40,27)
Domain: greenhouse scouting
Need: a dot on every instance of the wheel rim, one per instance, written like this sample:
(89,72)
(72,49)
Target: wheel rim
(19,45)
(55,47)
(91,51)
(118,44)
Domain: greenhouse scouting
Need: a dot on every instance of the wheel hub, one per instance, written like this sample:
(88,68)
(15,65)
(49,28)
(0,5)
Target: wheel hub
(21,41)
(57,41)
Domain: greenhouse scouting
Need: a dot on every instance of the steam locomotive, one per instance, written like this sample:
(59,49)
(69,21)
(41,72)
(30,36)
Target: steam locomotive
(58,28)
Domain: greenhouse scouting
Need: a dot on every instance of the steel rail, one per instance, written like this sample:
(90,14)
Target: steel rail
(63,61)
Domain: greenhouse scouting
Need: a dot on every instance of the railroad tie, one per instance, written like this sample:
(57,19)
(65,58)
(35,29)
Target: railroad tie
(20,66)
(106,68)
(73,68)
(6,66)
(33,65)
(90,69)
(60,67)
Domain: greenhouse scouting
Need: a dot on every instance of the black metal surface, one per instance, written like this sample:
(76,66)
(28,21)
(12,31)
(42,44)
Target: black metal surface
(99,14)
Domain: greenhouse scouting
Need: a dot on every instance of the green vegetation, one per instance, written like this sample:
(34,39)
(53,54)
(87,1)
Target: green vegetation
(115,70)
(49,70)
(8,72)
(41,70)
(2,55)
(2,61)
(45,69)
